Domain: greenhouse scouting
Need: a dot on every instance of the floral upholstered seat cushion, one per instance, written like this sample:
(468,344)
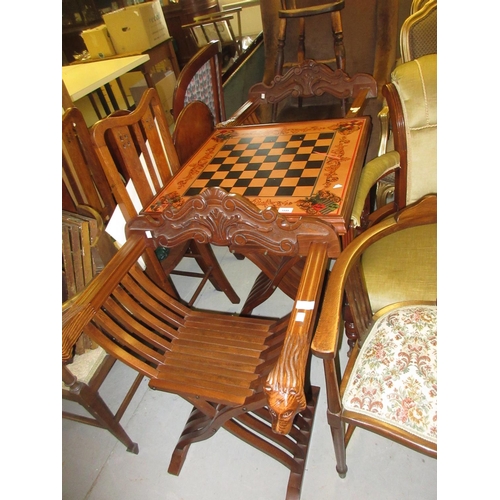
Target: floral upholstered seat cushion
(394,378)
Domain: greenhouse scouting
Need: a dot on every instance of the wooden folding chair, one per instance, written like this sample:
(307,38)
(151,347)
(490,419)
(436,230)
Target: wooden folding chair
(246,374)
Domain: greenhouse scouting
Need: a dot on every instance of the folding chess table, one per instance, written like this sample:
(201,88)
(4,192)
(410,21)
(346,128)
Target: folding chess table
(301,168)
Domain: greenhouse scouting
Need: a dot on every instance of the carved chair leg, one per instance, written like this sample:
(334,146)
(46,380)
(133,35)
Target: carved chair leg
(260,435)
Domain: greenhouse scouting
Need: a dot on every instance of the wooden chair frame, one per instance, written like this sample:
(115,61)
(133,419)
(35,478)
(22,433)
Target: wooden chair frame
(85,249)
(84,181)
(231,368)
(289,10)
(193,127)
(347,275)
(121,141)
(218,22)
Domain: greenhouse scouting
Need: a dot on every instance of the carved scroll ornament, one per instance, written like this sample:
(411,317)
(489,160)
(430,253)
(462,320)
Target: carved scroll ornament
(215,216)
(312,79)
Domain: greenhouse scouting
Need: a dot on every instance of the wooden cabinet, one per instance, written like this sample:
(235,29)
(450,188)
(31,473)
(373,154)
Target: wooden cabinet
(182,12)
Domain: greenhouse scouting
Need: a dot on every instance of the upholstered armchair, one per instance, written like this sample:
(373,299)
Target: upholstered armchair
(418,37)
(389,385)
(412,101)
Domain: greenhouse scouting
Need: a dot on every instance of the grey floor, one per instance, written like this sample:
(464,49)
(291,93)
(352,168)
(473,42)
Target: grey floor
(95,466)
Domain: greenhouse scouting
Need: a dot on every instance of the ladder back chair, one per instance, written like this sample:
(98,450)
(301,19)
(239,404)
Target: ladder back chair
(217,26)
(85,365)
(140,143)
(248,375)
(389,385)
(201,80)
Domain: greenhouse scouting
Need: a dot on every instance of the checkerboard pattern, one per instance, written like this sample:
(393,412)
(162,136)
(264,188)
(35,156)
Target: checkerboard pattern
(275,165)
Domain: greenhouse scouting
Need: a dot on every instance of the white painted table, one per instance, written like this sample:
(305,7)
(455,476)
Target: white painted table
(82,79)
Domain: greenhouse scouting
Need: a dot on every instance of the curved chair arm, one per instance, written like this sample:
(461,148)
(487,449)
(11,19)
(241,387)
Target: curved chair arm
(372,172)
(325,343)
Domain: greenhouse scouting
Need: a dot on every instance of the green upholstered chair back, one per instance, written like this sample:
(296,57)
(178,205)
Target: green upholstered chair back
(402,267)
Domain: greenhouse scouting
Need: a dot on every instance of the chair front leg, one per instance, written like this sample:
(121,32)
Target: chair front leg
(334,418)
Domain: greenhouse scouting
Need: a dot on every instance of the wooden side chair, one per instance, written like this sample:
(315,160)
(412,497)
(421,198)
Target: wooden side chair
(312,79)
(217,26)
(84,181)
(290,11)
(85,365)
(140,143)
(245,374)
(389,385)
(201,80)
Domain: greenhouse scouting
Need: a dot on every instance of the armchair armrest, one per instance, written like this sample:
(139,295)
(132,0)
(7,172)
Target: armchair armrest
(83,307)
(372,172)
(284,386)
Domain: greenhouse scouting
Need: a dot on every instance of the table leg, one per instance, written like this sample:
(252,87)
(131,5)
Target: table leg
(111,96)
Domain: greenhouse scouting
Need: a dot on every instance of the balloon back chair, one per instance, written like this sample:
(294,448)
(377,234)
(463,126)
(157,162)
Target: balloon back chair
(389,385)
(201,80)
